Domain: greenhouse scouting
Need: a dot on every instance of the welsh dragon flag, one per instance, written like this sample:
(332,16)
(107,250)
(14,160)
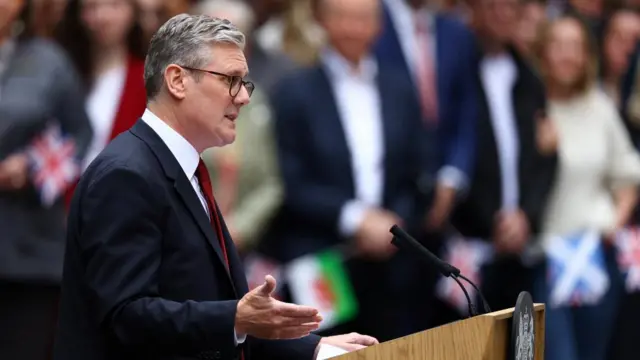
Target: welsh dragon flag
(320,280)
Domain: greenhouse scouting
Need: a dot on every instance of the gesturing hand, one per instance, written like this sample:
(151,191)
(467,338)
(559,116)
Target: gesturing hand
(262,316)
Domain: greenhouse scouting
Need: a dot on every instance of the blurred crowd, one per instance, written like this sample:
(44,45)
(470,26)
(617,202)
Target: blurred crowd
(493,131)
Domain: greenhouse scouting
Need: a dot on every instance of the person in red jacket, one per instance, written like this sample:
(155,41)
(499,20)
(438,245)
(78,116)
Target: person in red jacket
(106,43)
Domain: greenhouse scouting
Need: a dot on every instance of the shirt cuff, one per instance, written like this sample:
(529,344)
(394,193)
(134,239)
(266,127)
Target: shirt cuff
(238,339)
(351,217)
(452,177)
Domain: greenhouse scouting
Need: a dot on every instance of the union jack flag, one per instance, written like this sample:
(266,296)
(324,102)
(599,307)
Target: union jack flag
(468,255)
(628,244)
(54,166)
(577,274)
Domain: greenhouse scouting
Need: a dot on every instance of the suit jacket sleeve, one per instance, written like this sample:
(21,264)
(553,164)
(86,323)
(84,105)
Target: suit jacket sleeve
(121,243)
(299,349)
(303,195)
(459,131)
(540,173)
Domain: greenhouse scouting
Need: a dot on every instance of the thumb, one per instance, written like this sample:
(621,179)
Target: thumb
(268,287)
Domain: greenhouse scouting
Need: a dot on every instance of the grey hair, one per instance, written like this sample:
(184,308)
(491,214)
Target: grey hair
(240,13)
(185,40)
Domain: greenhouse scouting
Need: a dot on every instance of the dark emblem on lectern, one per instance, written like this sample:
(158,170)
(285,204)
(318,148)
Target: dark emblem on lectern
(523,331)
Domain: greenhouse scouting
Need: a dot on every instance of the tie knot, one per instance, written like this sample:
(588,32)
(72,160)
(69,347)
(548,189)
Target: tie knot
(202,174)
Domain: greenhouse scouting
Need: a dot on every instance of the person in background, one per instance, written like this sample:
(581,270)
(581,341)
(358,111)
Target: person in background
(532,18)
(351,148)
(245,174)
(594,13)
(437,54)
(175,7)
(512,177)
(47,15)
(596,186)
(621,36)
(153,13)
(267,67)
(39,87)
(106,44)
(287,27)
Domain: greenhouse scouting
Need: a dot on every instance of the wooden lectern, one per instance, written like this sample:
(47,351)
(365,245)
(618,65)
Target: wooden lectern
(483,337)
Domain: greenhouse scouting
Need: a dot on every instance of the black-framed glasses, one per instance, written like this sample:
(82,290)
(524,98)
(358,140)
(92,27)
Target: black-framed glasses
(235,82)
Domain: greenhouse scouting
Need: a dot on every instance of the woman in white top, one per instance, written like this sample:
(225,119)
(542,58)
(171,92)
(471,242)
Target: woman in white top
(596,185)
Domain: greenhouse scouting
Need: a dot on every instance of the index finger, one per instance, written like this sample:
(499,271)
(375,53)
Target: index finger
(293,310)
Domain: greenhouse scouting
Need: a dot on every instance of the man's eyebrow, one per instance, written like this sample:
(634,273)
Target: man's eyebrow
(240,73)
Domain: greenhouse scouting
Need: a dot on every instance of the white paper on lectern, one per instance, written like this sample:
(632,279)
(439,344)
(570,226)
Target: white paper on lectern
(327,351)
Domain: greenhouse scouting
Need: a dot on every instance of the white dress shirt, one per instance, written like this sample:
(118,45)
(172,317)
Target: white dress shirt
(360,111)
(187,157)
(498,75)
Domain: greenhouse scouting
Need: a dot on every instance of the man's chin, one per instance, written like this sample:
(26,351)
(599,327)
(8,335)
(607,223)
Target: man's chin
(228,139)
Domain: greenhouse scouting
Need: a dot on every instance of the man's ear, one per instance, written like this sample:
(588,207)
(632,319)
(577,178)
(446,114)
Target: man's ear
(175,79)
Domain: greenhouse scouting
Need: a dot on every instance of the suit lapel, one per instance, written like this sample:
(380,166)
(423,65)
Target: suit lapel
(182,185)
(388,114)
(192,202)
(331,121)
(238,276)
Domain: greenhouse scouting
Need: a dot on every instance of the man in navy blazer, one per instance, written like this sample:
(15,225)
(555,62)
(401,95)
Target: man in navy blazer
(150,269)
(450,48)
(352,151)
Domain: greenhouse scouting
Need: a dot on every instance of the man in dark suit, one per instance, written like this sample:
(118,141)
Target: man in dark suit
(514,173)
(352,150)
(436,52)
(150,269)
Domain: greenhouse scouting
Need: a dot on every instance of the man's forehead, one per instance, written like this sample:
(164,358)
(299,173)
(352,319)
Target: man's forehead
(230,59)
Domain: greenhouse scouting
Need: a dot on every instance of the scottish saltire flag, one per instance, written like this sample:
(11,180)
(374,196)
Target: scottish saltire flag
(257,267)
(468,255)
(54,166)
(576,269)
(320,280)
(627,242)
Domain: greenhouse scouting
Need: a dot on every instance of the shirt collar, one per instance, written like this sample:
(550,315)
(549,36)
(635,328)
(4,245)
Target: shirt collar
(339,68)
(182,150)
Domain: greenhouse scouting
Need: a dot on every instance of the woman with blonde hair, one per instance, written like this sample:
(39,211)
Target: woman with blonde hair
(596,187)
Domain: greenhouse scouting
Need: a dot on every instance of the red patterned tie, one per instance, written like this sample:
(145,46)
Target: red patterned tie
(205,184)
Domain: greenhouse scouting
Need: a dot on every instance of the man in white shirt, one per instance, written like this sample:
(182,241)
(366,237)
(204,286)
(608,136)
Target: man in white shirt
(352,149)
(512,178)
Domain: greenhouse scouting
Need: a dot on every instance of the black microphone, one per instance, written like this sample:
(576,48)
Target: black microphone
(402,240)
(444,268)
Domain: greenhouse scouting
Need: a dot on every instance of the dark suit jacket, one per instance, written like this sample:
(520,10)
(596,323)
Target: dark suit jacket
(316,161)
(144,276)
(39,85)
(456,86)
(475,216)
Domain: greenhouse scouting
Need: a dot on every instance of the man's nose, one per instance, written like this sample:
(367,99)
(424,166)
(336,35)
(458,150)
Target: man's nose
(242,98)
